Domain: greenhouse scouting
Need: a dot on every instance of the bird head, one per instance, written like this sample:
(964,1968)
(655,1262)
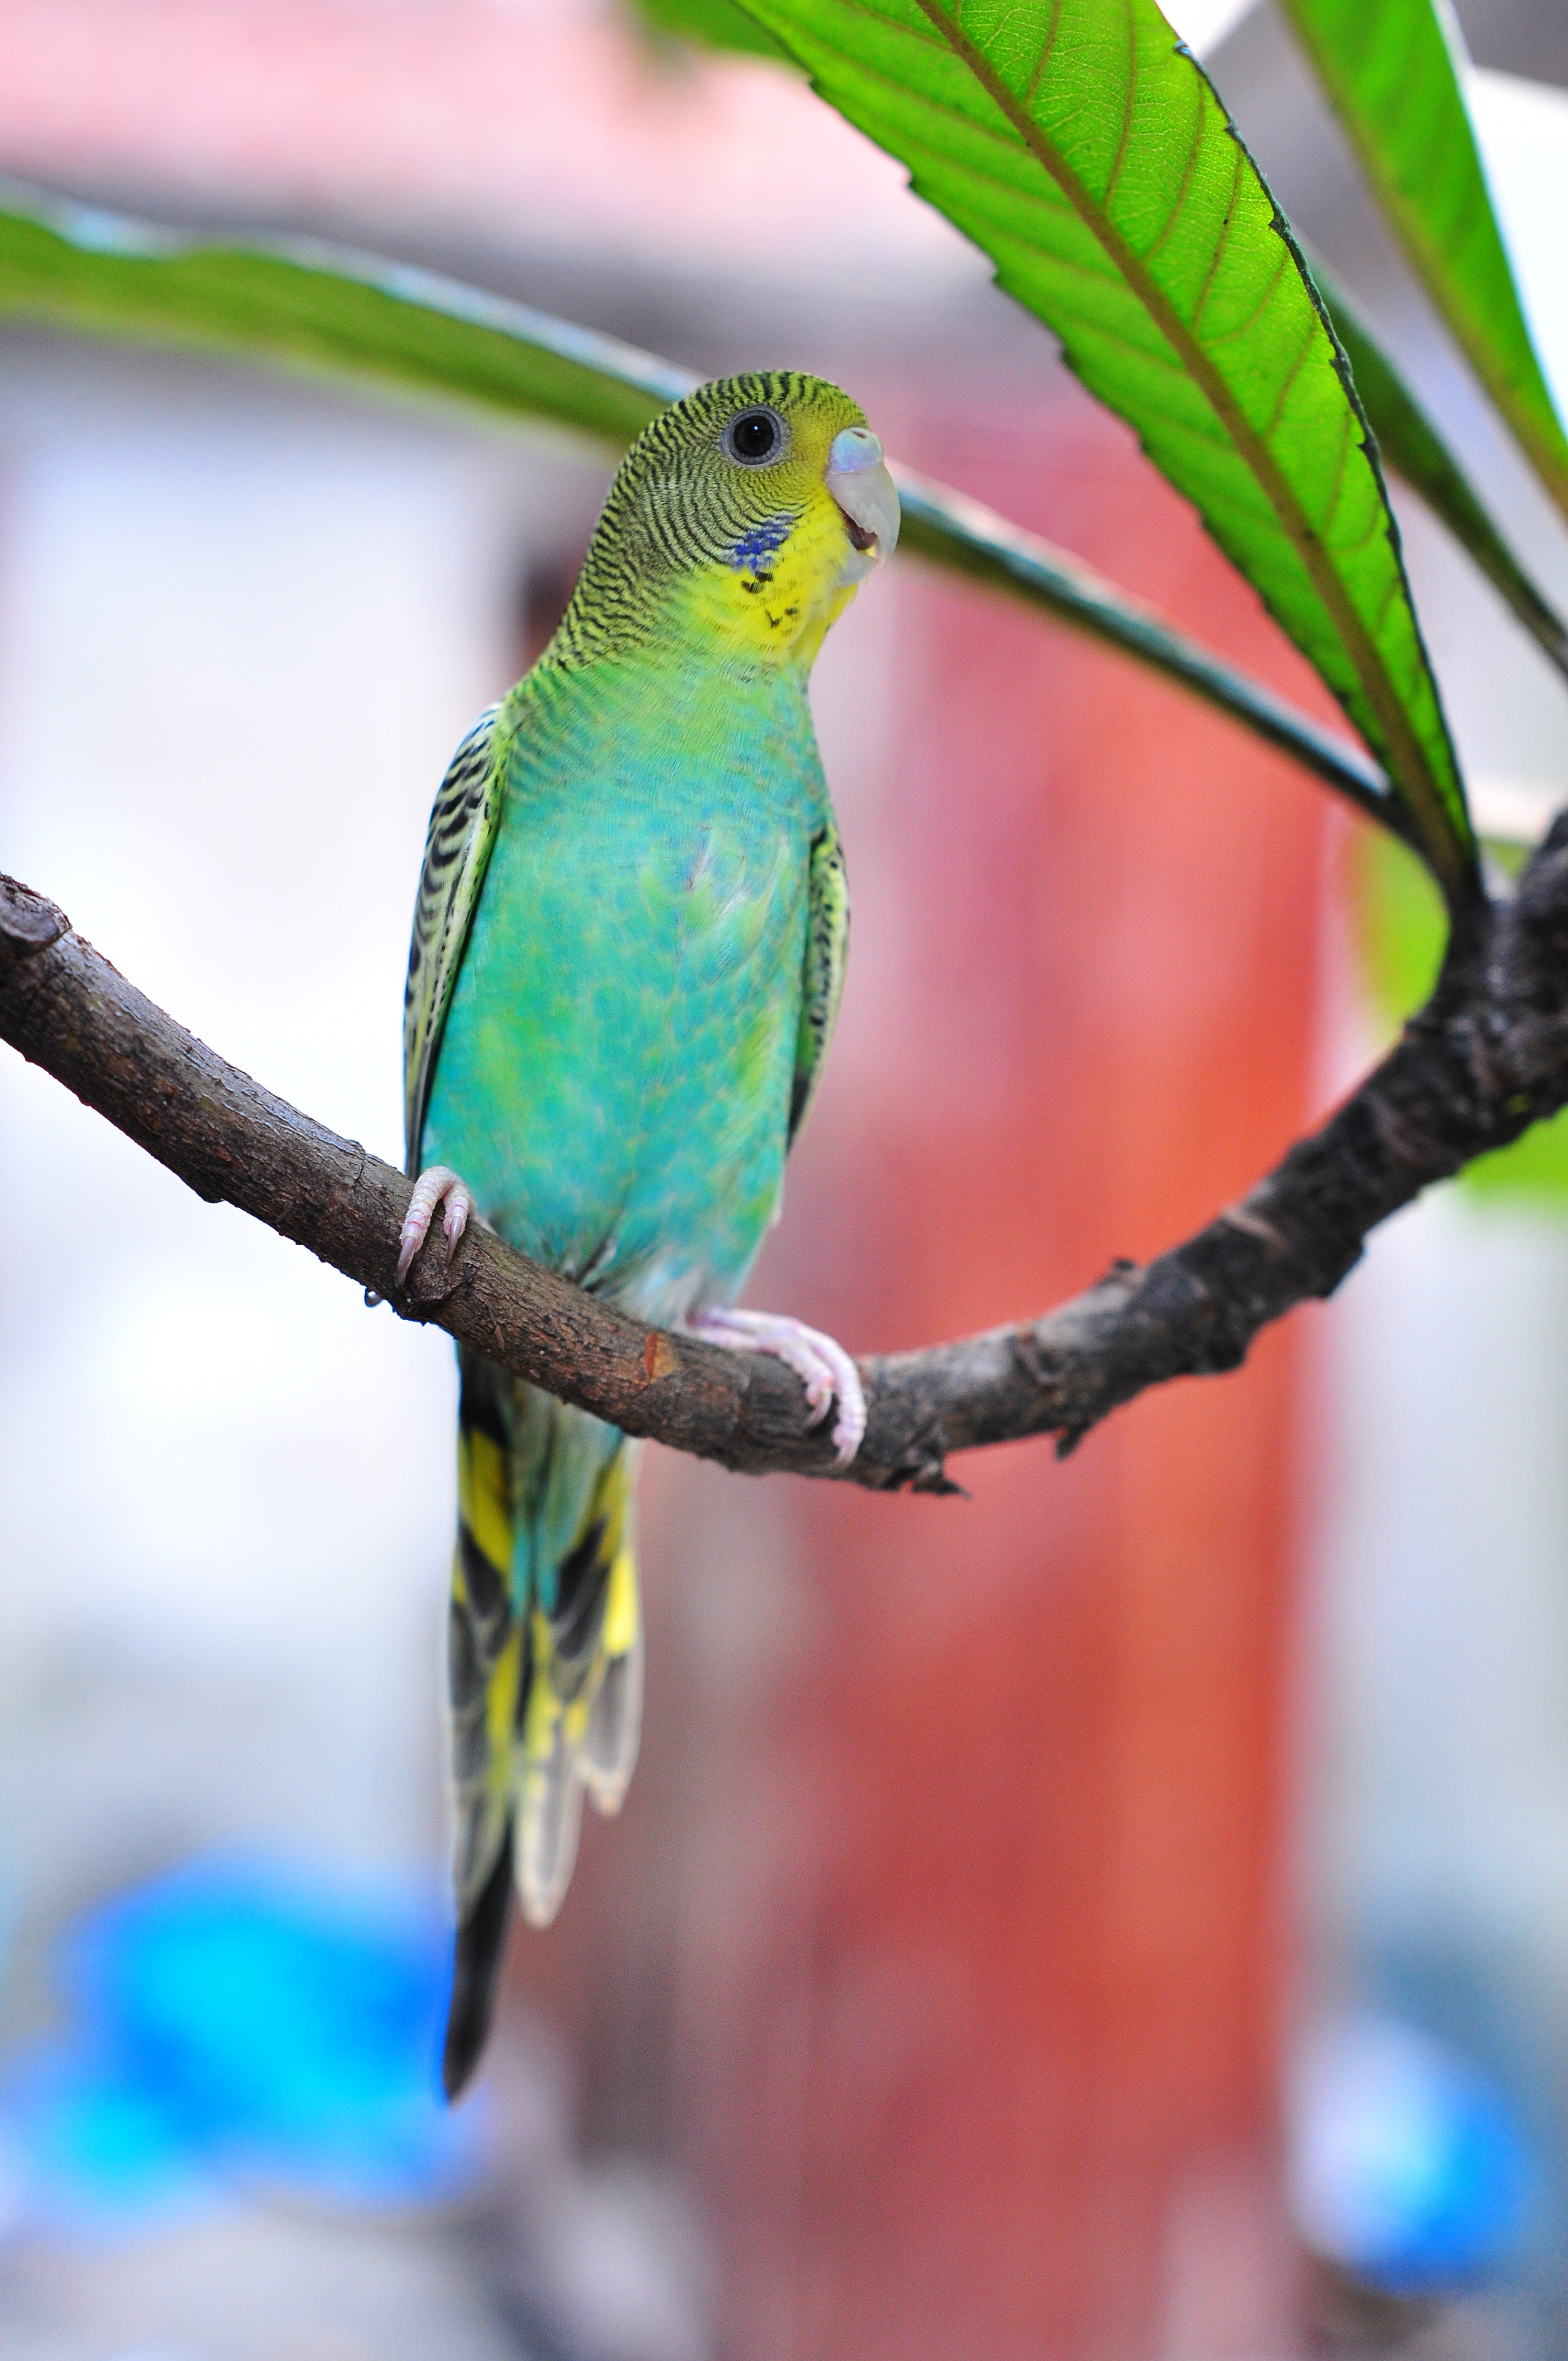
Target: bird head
(747,515)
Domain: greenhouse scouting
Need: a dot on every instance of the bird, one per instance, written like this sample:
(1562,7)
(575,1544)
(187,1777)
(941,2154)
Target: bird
(628,951)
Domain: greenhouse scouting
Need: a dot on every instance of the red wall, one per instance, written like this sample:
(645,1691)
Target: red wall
(942,1938)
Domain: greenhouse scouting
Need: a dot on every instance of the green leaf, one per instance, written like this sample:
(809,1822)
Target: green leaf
(710,25)
(1413,448)
(324,308)
(1390,69)
(1080,145)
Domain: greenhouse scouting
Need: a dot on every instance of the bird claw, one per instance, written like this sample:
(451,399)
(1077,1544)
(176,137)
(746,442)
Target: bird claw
(435,1187)
(819,1362)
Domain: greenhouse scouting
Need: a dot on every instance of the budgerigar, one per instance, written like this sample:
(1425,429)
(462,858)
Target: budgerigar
(628,951)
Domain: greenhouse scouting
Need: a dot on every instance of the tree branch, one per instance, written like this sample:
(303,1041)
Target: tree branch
(1485,1058)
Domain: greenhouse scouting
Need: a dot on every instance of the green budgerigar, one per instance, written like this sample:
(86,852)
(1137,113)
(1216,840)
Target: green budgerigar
(627,951)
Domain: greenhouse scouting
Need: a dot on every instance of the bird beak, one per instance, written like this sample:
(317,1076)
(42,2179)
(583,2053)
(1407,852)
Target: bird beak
(858,480)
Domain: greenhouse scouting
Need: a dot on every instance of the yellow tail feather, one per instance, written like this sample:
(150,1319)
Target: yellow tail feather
(546,1704)
(582,1716)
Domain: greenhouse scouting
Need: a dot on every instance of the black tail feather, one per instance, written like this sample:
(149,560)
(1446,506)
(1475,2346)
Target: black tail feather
(476,1972)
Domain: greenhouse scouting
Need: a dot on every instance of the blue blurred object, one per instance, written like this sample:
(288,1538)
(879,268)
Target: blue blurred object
(1408,2169)
(90,2151)
(240,2019)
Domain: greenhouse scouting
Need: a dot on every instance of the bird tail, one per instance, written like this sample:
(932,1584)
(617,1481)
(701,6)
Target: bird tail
(545,1667)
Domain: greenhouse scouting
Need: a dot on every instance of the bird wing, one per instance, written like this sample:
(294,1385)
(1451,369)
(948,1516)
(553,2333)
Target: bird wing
(827,949)
(457,854)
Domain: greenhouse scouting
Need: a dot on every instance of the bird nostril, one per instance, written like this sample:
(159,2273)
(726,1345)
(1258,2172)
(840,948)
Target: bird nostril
(854,449)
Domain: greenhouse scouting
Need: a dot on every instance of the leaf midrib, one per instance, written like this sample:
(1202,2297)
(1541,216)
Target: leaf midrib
(1410,763)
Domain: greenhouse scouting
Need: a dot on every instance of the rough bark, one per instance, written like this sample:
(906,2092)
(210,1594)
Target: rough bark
(1487,1056)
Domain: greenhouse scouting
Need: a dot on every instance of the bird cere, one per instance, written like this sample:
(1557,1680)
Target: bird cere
(628,947)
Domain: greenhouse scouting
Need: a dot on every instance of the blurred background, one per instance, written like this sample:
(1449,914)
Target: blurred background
(1120,1916)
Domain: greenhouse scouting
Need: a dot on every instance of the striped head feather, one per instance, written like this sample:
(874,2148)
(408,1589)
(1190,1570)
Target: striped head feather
(743,519)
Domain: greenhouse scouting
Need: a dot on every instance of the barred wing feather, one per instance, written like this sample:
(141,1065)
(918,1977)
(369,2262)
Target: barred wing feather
(456,853)
(827,951)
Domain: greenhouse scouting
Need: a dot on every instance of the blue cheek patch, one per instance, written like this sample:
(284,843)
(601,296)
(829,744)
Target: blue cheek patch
(764,542)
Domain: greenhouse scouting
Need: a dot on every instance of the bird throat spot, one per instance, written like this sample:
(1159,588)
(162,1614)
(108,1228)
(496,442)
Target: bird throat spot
(753,550)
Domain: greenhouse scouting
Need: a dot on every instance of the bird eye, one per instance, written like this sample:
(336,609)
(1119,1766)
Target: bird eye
(755,437)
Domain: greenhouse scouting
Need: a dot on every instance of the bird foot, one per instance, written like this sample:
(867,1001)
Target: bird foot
(822,1364)
(435,1187)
